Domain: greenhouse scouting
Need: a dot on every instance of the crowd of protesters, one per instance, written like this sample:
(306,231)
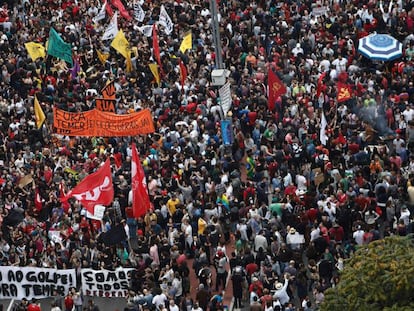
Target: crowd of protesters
(295,208)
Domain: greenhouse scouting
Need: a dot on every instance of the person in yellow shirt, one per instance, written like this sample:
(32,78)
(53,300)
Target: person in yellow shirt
(201,226)
(172,204)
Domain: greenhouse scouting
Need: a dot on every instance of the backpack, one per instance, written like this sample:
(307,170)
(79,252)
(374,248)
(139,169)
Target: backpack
(216,304)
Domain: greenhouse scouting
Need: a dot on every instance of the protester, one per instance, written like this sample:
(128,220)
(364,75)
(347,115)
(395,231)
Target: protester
(325,154)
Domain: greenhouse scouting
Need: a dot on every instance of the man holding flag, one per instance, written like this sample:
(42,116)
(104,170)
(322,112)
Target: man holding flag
(140,198)
(276,88)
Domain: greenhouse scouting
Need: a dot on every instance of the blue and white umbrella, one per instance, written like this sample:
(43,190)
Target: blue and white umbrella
(380,47)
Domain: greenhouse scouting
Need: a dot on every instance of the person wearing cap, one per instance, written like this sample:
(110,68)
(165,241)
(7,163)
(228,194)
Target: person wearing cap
(294,240)
(281,291)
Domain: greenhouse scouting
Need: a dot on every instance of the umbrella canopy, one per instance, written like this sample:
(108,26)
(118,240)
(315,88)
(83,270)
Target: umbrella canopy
(380,47)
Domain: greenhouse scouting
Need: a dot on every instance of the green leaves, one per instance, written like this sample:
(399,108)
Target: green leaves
(378,277)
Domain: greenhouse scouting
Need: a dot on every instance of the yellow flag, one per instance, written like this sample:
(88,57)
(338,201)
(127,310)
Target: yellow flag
(35,50)
(135,50)
(121,44)
(187,42)
(128,63)
(39,114)
(102,56)
(154,70)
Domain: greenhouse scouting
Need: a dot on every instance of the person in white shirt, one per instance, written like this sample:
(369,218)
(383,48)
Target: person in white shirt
(301,182)
(327,51)
(159,300)
(330,208)
(177,286)
(408,113)
(173,306)
(324,65)
(281,291)
(315,233)
(405,215)
(260,241)
(297,50)
(359,236)
(340,63)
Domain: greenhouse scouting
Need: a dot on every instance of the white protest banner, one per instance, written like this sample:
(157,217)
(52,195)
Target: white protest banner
(105,283)
(98,212)
(225,98)
(319,11)
(101,15)
(139,13)
(112,28)
(166,21)
(146,30)
(30,282)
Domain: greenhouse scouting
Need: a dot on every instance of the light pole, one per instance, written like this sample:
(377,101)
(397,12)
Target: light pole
(216,34)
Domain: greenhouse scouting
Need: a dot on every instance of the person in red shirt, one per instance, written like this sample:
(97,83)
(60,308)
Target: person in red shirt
(251,268)
(336,233)
(34,306)
(69,302)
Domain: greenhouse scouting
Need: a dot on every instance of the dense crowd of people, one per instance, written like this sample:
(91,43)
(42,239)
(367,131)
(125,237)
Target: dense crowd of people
(295,208)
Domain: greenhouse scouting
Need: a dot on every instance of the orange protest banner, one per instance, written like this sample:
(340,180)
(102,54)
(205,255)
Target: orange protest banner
(108,101)
(109,91)
(104,104)
(99,123)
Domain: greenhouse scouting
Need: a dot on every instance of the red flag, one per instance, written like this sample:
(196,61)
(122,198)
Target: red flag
(62,195)
(276,89)
(120,6)
(108,9)
(344,92)
(156,48)
(140,199)
(320,87)
(183,73)
(96,188)
(38,201)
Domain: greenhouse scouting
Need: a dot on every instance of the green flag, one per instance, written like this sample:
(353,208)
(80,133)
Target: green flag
(59,48)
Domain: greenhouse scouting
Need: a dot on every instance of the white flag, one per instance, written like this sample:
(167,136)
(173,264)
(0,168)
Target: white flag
(166,21)
(139,13)
(112,29)
(146,30)
(101,15)
(225,98)
(322,135)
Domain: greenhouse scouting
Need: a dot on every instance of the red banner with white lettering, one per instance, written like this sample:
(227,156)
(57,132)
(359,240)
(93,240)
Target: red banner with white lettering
(96,188)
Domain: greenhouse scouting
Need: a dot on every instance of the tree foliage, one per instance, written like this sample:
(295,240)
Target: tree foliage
(379,276)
